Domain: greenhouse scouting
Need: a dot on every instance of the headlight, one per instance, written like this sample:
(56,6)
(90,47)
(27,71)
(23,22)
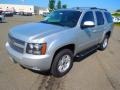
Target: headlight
(36,49)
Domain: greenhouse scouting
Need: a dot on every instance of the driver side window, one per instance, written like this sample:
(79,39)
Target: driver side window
(88,16)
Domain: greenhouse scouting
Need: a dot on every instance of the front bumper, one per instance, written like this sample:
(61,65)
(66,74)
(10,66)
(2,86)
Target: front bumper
(35,62)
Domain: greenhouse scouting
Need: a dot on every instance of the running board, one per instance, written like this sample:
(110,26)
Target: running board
(87,51)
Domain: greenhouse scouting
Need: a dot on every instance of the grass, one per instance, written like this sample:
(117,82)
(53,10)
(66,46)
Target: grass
(116,14)
(117,24)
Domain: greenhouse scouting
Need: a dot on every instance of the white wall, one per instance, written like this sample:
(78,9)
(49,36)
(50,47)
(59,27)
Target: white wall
(41,11)
(23,8)
(17,8)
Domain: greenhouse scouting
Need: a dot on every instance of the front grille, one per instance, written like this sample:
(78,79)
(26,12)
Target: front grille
(16,40)
(17,45)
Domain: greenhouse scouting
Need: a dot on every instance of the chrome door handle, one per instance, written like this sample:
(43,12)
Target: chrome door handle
(94,30)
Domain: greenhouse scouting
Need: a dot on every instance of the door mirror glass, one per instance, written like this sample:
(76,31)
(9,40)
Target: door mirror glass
(87,24)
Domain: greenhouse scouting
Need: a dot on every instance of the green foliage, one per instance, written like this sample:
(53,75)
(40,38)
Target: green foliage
(117,24)
(64,6)
(51,5)
(116,14)
(118,10)
(59,4)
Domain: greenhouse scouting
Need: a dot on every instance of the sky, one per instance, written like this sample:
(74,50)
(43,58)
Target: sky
(111,5)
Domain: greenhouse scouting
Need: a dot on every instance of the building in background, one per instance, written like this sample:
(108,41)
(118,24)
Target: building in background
(23,8)
(43,10)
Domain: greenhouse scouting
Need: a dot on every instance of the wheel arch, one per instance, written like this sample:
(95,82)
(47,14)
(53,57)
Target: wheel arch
(108,33)
(69,46)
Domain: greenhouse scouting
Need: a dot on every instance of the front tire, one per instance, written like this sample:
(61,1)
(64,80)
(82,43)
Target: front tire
(62,63)
(104,43)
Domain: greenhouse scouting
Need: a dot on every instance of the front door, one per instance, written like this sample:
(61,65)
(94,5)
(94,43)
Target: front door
(87,34)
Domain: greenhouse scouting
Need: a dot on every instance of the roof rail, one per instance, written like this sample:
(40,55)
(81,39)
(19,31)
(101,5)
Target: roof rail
(93,8)
(104,9)
(98,8)
(78,8)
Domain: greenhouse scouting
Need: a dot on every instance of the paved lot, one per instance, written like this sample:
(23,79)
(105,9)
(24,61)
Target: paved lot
(99,71)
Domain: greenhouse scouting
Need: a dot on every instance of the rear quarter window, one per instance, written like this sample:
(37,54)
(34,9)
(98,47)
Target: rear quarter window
(108,17)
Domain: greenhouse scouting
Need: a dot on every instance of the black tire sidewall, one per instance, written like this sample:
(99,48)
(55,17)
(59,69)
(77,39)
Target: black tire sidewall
(54,69)
(101,45)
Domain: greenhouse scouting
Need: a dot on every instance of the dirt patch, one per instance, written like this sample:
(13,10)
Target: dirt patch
(111,52)
(1,72)
(119,41)
(51,83)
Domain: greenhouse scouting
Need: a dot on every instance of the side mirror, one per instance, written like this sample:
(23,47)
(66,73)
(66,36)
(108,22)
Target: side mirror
(88,24)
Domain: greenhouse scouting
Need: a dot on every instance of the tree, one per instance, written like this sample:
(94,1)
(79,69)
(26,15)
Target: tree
(118,10)
(64,6)
(51,5)
(59,4)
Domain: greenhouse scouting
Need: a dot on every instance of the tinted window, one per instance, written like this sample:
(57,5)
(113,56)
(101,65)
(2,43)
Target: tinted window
(88,17)
(100,19)
(64,18)
(108,17)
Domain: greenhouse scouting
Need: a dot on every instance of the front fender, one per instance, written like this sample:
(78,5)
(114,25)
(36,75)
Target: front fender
(62,39)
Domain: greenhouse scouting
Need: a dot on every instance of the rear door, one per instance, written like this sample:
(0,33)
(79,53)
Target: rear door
(100,25)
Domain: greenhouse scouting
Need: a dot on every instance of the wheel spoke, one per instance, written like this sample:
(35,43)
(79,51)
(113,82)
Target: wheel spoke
(64,63)
(105,43)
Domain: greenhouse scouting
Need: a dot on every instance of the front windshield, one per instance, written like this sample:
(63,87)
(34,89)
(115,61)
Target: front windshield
(64,18)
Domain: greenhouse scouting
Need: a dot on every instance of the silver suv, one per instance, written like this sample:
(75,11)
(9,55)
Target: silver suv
(52,43)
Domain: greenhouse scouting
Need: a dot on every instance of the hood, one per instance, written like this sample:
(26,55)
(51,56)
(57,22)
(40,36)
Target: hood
(34,30)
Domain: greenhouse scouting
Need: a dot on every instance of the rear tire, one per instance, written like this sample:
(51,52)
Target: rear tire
(104,43)
(62,63)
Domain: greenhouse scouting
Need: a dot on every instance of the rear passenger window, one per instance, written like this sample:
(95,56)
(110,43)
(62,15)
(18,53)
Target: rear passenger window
(100,18)
(108,17)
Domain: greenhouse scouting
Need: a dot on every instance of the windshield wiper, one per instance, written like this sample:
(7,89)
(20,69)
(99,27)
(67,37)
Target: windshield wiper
(43,21)
(55,23)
